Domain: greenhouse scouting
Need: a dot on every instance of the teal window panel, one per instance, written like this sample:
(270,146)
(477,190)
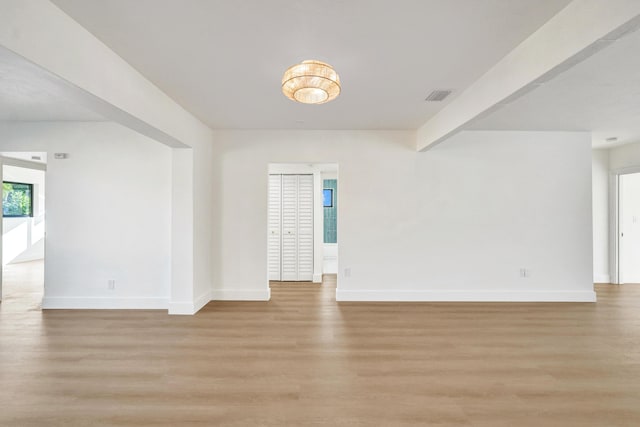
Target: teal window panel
(331,213)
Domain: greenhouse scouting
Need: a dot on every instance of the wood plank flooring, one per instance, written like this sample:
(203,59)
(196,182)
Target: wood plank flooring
(304,360)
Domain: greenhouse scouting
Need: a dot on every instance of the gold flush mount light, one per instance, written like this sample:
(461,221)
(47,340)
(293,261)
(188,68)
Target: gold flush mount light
(311,82)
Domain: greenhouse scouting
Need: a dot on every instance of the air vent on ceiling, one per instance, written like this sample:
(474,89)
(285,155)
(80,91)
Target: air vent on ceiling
(438,95)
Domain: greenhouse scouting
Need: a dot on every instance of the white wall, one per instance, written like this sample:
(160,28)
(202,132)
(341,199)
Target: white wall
(45,39)
(108,214)
(330,258)
(600,182)
(456,223)
(23,238)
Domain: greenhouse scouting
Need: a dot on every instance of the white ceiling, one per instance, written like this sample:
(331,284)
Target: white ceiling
(27,93)
(600,94)
(223,60)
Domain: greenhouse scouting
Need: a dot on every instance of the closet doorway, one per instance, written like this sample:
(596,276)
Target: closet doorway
(296,222)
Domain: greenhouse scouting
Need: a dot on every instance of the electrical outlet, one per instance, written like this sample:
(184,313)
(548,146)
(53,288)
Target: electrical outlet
(111,284)
(524,273)
(347,272)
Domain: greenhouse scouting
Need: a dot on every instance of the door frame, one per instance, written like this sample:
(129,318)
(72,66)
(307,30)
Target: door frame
(615,220)
(305,168)
(9,161)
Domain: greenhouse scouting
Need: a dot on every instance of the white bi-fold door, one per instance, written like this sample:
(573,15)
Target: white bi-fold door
(291,227)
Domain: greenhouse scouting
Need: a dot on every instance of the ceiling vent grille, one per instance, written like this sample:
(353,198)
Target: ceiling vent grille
(438,95)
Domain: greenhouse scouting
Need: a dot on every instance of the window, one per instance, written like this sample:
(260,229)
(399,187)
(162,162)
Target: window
(327,198)
(17,199)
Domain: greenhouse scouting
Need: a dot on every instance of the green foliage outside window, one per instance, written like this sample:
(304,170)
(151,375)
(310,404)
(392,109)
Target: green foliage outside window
(17,199)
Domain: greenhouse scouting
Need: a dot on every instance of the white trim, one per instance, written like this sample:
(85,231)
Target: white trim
(602,278)
(201,301)
(181,308)
(317,278)
(21,163)
(464,296)
(614,196)
(97,303)
(262,294)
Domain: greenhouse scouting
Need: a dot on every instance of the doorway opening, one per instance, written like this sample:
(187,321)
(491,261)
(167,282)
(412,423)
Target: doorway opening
(628,233)
(23,229)
(302,242)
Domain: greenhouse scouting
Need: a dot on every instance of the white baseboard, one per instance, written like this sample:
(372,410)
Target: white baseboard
(94,303)
(201,301)
(181,308)
(262,294)
(461,296)
(602,278)
(317,278)
(189,307)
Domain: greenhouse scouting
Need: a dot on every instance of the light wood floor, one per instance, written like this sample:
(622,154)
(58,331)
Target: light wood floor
(302,359)
(23,286)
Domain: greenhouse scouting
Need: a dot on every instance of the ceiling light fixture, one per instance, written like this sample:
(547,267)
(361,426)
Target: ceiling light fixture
(311,82)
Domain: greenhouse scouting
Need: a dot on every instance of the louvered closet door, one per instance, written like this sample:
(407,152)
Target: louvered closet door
(289,227)
(305,227)
(275,214)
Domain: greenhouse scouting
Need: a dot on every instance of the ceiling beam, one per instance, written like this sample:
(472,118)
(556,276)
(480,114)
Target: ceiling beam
(575,33)
(94,76)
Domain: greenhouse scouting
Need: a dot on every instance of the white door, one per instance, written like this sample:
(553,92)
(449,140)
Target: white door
(291,227)
(630,228)
(275,219)
(305,227)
